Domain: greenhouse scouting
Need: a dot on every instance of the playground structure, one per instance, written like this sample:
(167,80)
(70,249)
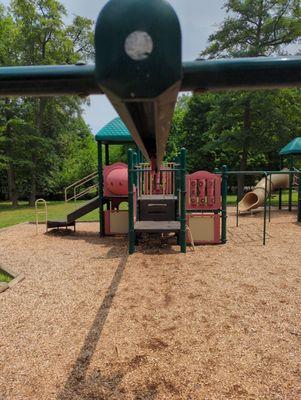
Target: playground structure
(164,202)
(266,191)
(256,197)
(169,201)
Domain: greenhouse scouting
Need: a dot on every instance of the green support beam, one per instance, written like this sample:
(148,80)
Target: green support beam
(49,80)
(299,198)
(100,190)
(183,200)
(131,237)
(224,202)
(290,190)
(242,73)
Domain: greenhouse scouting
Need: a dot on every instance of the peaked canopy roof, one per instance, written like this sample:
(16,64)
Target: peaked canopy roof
(115,132)
(294,147)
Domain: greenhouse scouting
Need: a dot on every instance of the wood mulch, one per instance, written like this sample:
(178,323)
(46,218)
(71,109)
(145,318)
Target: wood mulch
(90,322)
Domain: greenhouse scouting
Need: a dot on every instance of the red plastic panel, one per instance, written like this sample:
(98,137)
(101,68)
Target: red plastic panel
(115,180)
(203,191)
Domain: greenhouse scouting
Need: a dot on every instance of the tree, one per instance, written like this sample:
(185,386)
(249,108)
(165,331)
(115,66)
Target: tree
(37,33)
(253,28)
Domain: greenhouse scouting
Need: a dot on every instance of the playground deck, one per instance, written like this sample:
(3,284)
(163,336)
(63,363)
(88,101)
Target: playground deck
(90,322)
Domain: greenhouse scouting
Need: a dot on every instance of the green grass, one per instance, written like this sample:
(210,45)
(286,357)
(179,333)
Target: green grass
(23,213)
(58,210)
(5,277)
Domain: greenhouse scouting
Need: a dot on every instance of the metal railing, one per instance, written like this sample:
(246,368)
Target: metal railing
(80,188)
(44,212)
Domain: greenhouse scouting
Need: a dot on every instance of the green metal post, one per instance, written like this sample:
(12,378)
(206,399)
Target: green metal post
(131,202)
(183,201)
(299,198)
(237,201)
(224,202)
(290,193)
(100,190)
(270,197)
(178,184)
(135,162)
(265,209)
(280,190)
(107,155)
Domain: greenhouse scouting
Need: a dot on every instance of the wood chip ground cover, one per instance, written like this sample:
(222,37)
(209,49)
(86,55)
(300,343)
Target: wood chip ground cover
(90,322)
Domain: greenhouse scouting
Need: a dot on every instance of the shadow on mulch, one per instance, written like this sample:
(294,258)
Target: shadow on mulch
(77,386)
(88,237)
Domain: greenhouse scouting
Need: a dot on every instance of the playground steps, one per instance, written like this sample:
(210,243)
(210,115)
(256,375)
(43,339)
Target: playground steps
(83,210)
(157,226)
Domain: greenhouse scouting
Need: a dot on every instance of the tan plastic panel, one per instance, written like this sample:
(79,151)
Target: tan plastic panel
(202,228)
(119,222)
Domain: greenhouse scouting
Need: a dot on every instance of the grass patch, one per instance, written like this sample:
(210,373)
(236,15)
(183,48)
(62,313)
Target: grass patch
(5,277)
(57,210)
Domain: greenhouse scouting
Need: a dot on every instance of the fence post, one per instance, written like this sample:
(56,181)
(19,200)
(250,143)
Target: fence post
(299,198)
(224,202)
(100,191)
(131,202)
(183,200)
(290,193)
(265,208)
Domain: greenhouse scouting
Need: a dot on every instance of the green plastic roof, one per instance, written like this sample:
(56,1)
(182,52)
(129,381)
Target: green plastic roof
(114,132)
(294,147)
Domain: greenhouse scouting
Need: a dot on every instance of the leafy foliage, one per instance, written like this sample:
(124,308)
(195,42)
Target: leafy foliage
(244,129)
(44,142)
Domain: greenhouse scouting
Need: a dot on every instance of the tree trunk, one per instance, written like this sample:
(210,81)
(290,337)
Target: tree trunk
(12,187)
(33,176)
(33,190)
(244,155)
(13,193)
(241,178)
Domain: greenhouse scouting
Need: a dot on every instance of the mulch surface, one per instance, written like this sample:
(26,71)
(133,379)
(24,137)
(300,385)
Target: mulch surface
(91,322)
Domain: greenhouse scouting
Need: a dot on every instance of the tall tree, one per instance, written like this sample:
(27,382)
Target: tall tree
(39,35)
(254,28)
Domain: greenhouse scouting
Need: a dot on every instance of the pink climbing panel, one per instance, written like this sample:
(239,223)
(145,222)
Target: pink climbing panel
(203,191)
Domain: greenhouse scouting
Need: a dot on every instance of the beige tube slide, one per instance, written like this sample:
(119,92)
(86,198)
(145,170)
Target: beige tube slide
(255,198)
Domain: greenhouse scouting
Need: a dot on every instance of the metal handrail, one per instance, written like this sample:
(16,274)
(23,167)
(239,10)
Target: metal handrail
(81,194)
(37,212)
(88,177)
(77,185)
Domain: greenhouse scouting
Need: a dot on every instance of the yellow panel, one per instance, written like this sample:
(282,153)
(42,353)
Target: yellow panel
(202,228)
(119,222)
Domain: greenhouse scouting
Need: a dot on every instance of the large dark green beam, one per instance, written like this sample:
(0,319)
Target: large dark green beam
(139,68)
(48,80)
(242,73)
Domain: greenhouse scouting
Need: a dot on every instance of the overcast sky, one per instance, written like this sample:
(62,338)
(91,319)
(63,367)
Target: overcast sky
(198,19)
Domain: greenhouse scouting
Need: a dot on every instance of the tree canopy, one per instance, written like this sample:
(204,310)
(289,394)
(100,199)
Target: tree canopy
(44,142)
(243,129)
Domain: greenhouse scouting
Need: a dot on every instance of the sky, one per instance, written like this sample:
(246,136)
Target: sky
(198,18)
